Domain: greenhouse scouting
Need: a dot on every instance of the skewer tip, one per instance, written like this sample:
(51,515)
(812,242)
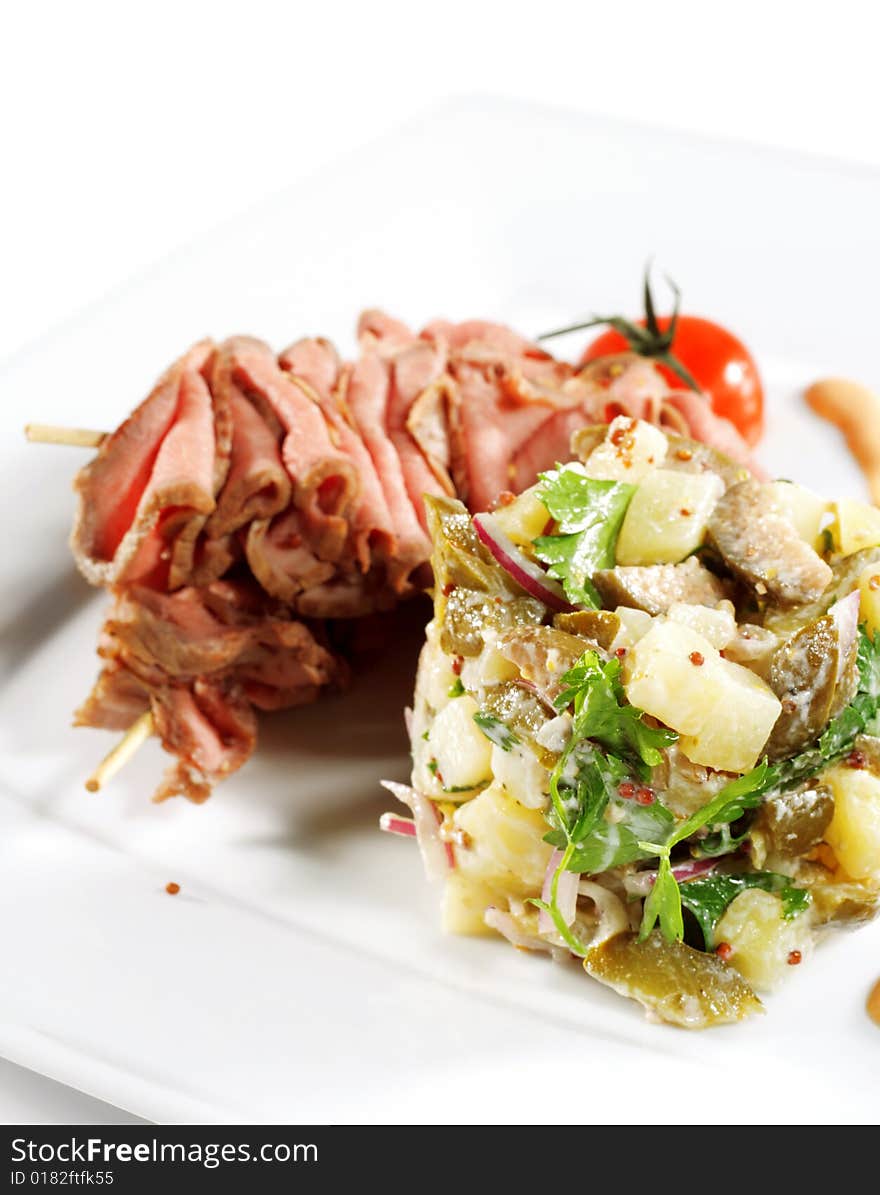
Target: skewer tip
(137,734)
(75,437)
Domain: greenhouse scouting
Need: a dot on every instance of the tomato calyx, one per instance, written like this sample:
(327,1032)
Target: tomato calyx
(647,339)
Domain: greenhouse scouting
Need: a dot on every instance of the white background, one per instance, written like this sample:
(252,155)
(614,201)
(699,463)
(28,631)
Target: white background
(126,130)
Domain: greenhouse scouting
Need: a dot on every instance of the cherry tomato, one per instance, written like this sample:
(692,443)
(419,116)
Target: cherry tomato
(718,361)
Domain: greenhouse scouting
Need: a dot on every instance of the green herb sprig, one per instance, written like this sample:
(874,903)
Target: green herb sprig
(588,514)
(609,743)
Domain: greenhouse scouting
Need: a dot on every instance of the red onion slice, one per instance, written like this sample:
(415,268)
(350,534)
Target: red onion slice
(437,855)
(391,823)
(642,882)
(530,576)
(566,895)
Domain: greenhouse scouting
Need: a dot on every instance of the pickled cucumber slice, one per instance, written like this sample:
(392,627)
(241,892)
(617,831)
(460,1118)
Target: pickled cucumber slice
(674,982)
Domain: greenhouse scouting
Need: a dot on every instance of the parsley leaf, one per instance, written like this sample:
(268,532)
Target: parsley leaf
(602,713)
(720,842)
(663,904)
(495,730)
(589,514)
(609,743)
(709,896)
(615,840)
(726,806)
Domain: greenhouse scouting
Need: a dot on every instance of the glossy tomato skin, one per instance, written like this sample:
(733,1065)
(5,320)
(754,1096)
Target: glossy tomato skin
(717,359)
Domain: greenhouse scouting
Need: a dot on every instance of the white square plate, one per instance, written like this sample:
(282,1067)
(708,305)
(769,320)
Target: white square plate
(300,975)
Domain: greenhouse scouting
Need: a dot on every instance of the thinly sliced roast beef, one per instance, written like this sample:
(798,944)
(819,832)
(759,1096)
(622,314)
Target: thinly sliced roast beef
(367,397)
(325,480)
(149,480)
(414,369)
(281,558)
(211,729)
(428,423)
(215,556)
(347,596)
(315,361)
(117,699)
(548,445)
(381,333)
(201,659)
(175,632)
(314,364)
(491,421)
(475,339)
(257,485)
(286,666)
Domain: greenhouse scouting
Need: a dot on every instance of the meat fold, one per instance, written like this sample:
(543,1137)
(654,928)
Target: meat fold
(324,479)
(257,485)
(146,495)
(367,399)
(203,660)
(315,367)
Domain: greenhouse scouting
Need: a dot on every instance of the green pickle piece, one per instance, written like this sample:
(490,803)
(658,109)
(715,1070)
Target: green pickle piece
(814,676)
(676,983)
(543,654)
(600,626)
(458,557)
(471,591)
(791,823)
(516,707)
(468,614)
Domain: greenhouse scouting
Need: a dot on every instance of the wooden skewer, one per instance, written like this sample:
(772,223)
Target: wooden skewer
(136,735)
(76,437)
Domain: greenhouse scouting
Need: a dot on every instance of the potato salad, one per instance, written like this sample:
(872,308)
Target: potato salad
(645,730)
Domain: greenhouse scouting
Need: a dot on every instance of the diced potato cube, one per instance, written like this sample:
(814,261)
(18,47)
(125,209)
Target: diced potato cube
(506,845)
(869,601)
(805,509)
(524,778)
(435,675)
(634,625)
(760,938)
(666,519)
(741,711)
(490,667)
(856,525)
(465,902)
(854,832)
(718,625)
(723,712)
(524,519)
(662,678)
(630,451)
(462,751)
